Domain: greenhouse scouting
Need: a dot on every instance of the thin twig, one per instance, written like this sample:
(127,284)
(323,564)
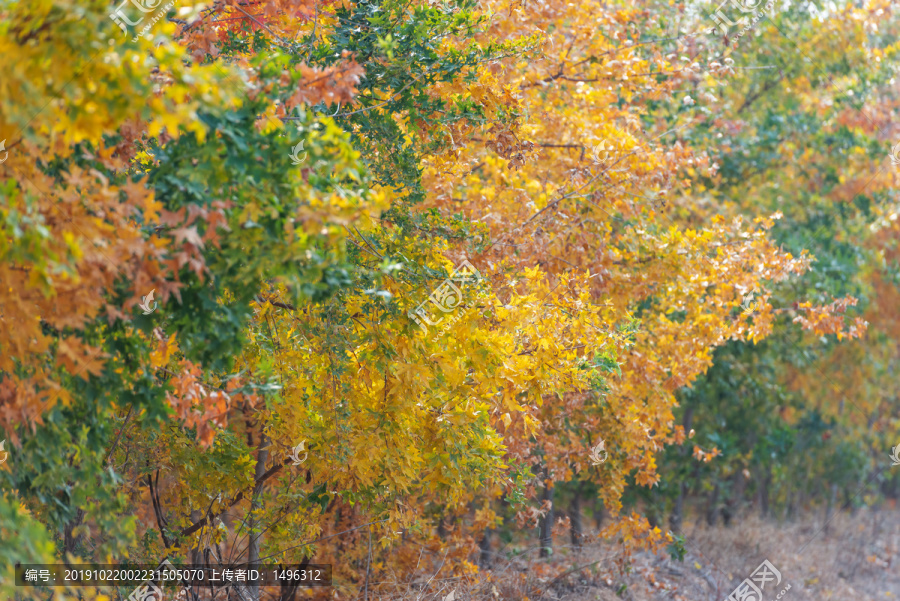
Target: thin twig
(321,539)
(263,25)
(564,574)
(118,437)
(275,303)
(368,563)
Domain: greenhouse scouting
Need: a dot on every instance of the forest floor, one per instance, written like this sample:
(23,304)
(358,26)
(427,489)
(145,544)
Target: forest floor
(855,559)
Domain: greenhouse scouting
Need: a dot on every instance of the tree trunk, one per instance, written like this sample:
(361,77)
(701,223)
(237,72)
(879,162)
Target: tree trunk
(599,514)
(788,499)
(441,528)
(546,523)
(763,494)
(712,509)
(653,508)
(848,502)
(262,456)
(196,516)
(484,559)
(737,495)
(70,541)
(829,504)
(577,530)
(677,518)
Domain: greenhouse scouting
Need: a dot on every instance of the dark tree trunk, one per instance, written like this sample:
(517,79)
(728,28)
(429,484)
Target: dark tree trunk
(712,507)
(546,523)
(196,554)
(262,455)
(848,502)
(829,504)
(441,528)
(577,530)
(788,502)
(484,559)
(677,518)
(763,493)
(599,514)
(72,541)
(733,506)
(653,508)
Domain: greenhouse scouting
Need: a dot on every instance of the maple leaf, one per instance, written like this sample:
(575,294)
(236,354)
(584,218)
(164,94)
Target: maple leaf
(188,235)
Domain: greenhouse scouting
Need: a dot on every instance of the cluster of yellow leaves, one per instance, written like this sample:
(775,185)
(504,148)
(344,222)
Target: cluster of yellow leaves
(635,532)
(603,197)
(434,397)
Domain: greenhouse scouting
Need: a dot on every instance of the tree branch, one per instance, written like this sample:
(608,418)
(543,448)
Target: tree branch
(118,437)
(157,508)
(275,303)
(237,499)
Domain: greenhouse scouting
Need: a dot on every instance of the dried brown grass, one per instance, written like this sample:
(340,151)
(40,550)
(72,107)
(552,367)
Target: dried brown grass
(855,559)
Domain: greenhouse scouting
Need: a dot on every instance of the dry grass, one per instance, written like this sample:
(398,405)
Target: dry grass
(853,561)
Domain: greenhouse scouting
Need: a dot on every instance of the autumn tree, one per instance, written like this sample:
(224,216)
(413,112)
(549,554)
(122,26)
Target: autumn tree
(220,228)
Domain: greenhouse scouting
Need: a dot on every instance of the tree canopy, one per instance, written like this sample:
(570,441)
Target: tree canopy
(279,276)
